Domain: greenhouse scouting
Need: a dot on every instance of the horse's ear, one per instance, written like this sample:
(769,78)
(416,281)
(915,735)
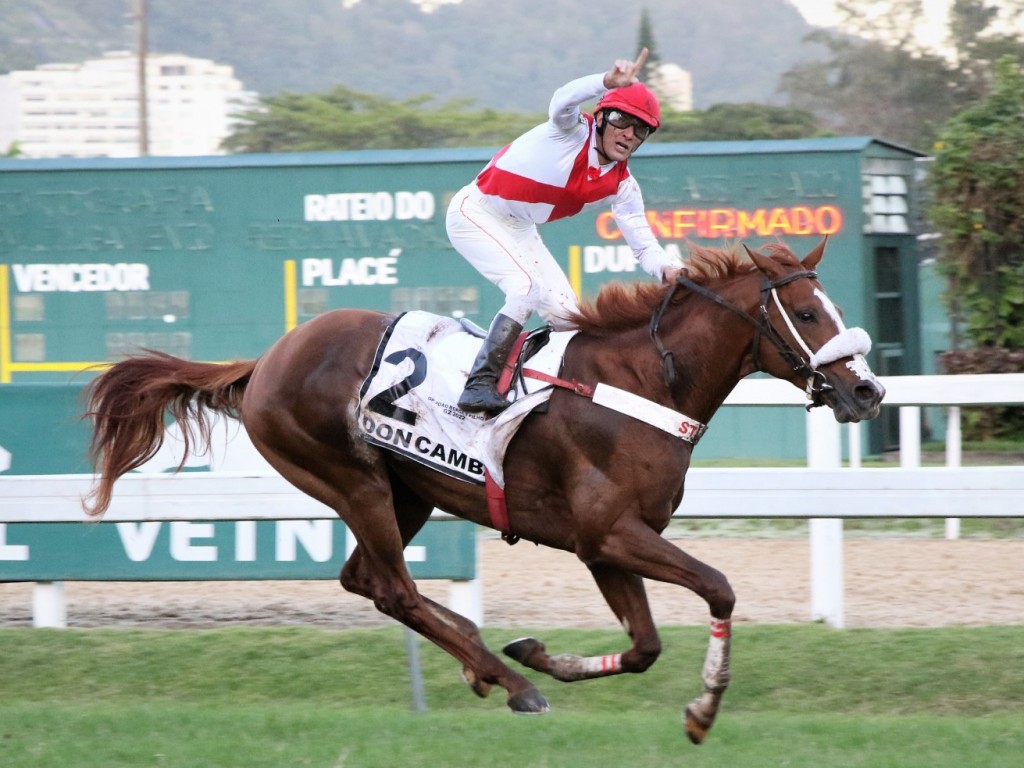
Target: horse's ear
(811,259)
(765,263)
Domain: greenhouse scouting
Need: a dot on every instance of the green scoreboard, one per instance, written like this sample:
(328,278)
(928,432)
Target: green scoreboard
(215,258)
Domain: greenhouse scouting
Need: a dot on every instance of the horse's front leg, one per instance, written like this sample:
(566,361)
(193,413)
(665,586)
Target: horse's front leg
(638,549)
(623,559)
(701,712)
(625,594)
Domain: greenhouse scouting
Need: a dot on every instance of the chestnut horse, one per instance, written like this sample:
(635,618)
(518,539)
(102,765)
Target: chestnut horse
(600,483)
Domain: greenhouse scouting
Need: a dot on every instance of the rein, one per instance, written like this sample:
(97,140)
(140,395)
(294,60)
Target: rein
(816,383)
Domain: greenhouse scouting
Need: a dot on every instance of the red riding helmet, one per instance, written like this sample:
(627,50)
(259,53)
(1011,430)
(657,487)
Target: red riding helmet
(637,100)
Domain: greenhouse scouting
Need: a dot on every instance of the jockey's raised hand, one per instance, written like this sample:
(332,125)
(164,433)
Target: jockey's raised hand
(625,72)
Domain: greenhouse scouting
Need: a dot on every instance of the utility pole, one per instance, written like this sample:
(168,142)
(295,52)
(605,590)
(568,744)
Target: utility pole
(141,45)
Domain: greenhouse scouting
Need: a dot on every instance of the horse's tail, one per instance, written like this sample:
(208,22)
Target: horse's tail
(128,402)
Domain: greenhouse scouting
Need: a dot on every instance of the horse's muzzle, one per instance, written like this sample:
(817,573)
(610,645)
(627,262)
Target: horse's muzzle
(861,403)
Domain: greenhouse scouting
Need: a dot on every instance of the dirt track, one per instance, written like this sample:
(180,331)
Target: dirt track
(889,583)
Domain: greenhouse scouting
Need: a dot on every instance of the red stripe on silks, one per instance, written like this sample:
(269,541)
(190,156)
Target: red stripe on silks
(584,185)
(511,186)
(720,629)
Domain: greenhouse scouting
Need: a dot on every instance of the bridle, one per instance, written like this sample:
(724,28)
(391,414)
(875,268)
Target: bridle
(817,384)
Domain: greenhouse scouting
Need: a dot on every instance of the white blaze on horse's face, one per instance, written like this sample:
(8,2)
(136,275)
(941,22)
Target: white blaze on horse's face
(830,309)
(848,342)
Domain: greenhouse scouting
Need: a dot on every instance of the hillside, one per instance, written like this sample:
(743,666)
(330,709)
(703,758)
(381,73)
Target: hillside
(507,54)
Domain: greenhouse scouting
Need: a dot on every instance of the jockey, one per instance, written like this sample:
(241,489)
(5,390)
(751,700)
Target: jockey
(573,162)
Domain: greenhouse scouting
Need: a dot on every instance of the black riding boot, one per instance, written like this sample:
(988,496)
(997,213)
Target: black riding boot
(481,392)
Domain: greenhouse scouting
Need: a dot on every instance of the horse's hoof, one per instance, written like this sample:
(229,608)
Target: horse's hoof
(522,649)
(696,727)
(478,686)
(528,702)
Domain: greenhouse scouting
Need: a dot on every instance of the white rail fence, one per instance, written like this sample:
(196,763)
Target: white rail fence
(824,487)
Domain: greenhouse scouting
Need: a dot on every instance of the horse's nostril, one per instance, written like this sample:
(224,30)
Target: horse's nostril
(869,394)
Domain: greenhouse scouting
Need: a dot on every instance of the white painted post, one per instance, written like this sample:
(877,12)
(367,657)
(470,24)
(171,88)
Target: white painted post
(954,457)
(853,445)
(824,440)
(49,606)
(824,451)
(910,436)
(467,598)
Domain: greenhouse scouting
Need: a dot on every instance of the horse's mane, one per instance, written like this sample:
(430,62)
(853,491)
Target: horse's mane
(620,306)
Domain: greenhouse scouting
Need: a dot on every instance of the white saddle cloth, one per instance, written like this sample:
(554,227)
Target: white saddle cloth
(408,403)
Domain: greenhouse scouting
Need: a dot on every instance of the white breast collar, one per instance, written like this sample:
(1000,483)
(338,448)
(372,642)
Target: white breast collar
(642,409)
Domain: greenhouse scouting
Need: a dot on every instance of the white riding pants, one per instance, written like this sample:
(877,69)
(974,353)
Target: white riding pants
(509,252)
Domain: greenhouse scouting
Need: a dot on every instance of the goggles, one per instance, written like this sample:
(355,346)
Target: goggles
(622,121)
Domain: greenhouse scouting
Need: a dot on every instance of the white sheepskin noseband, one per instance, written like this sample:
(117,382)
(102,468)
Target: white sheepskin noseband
(846,343)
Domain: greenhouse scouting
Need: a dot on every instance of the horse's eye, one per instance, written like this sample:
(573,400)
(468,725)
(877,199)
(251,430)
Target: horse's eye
(806,316)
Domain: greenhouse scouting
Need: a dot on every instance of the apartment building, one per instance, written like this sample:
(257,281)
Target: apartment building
(91,109)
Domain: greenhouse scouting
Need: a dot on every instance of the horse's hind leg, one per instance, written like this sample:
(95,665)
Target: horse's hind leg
(380,573)
(314,446)
(464,626)
(473,679)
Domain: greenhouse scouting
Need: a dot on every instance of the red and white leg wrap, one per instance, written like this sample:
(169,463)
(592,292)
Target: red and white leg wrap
(604,665)
(716,663)
(567,667)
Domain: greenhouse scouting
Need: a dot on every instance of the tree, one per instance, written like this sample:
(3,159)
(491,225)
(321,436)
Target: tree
(892,23)
(345,119)
(979,210)
(870,89)
(978,207)
(977,33)
(881,80)
(737,122)
(646,40)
